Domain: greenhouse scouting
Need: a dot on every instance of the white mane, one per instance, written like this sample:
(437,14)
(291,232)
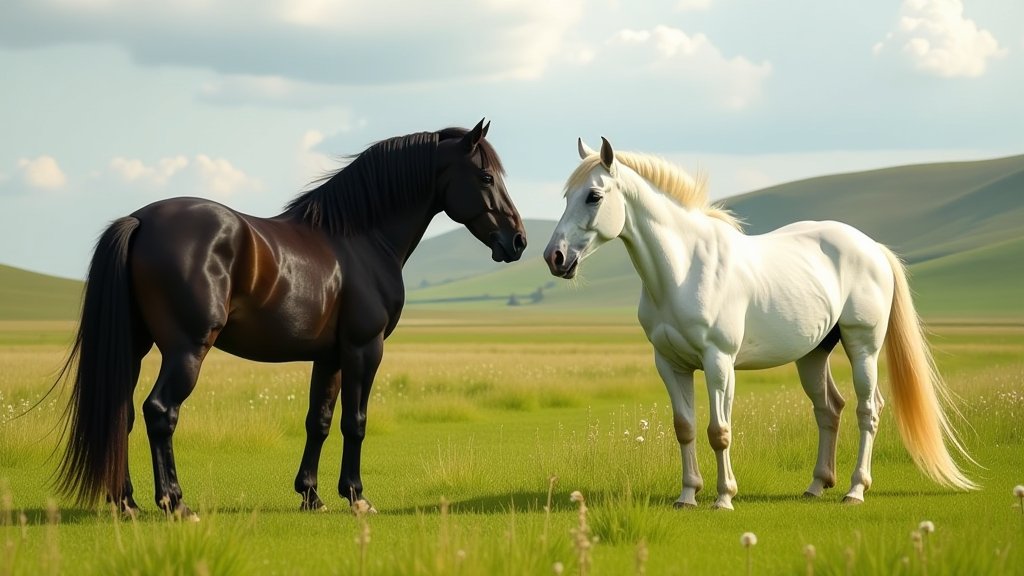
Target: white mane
(666,177)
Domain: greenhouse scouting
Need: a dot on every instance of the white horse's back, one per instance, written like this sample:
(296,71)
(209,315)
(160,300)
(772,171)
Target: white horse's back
(803,280)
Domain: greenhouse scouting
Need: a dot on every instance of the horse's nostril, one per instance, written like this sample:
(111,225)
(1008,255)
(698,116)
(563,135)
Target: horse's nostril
(519,243)
(559,258)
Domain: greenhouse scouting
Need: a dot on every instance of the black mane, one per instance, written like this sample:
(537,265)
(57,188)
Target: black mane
(389,176)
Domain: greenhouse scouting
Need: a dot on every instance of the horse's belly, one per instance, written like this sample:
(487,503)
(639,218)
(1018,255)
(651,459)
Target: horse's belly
(264,339)
(781,341)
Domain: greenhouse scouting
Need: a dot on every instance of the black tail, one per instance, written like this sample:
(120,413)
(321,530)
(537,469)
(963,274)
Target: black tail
(96,419)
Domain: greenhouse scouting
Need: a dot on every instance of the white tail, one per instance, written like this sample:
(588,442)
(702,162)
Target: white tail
(917,388)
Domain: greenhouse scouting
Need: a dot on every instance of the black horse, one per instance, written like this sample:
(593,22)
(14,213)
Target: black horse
(321,282)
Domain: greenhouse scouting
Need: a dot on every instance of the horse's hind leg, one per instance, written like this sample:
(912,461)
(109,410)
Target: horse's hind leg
(862,346)
(126,500)
(323,396)
(828,403)
(178,374)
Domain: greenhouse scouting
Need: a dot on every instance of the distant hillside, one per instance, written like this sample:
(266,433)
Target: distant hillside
(922,212)
(958,222)
(26,295)
(960,225)
(457,255)
(986,282)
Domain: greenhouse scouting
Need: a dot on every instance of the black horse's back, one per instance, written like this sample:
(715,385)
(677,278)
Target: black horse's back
(102,364)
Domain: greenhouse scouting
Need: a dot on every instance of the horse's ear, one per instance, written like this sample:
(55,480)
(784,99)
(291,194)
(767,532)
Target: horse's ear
(487,127)
(583,149)
(607,154)
(473,137)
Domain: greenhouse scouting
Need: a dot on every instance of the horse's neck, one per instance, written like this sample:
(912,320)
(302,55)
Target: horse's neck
(404,231)
(663,241)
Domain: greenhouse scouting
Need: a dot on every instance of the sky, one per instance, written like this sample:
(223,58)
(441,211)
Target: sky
(108,105)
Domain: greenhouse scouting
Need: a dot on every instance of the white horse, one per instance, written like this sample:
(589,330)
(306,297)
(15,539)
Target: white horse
(717,300)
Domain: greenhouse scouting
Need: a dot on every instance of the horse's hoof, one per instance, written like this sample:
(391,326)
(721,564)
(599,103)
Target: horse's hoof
(811,495)
(184,514)
(850,500)
(678,505)
(314,505)
(720,505)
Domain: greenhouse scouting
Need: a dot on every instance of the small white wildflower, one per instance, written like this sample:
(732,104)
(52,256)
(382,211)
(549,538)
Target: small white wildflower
(625,432)
(576,496)
(360,507)
(1018,491)
(748,539)
(644,425)
(559,568)
(640,439)
(926,527)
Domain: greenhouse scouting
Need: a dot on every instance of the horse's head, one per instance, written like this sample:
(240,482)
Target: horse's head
(595,211)
(471,186)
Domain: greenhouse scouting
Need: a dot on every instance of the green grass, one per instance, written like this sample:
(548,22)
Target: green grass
(479,415)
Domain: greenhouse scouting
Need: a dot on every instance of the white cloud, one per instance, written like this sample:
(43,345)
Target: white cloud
(935,38)
(42,172)
(312,164)
(217,177)
(321,41)
(157,175)
(675,58)
(204,176)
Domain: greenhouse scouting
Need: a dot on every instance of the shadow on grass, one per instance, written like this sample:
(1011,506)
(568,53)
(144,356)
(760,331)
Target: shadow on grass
(496,503)
(520,502)
(40,516)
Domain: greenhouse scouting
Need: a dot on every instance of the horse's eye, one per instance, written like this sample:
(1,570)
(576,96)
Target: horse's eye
(593,197)
(488,179)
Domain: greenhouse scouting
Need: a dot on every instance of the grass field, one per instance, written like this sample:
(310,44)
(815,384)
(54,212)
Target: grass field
(479,411)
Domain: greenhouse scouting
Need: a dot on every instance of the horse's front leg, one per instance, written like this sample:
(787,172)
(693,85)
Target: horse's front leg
(358,368)
(684,420)
(324,386)
(721,378)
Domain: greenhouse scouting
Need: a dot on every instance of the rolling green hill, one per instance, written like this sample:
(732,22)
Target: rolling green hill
(986,282)
(27,295)
(922,212)
(958,224)
(457,255)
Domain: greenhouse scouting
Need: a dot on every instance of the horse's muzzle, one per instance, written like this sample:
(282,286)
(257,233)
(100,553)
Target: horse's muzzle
(558,263)
(507,246)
